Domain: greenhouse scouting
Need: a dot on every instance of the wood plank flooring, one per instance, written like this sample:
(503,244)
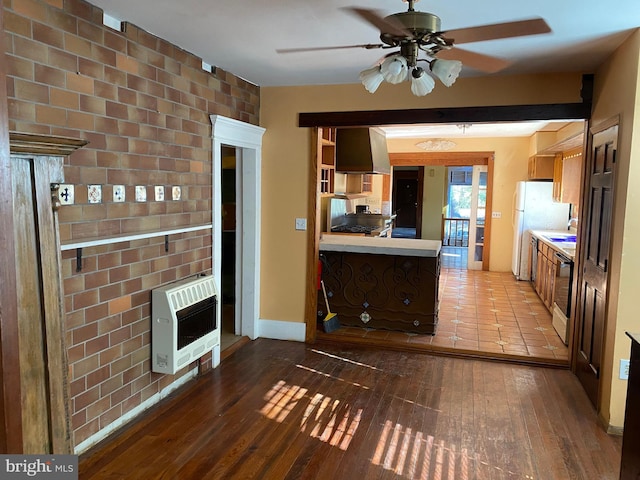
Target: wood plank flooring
(286,410)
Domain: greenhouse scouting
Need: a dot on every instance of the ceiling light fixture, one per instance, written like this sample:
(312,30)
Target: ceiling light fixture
(397,68)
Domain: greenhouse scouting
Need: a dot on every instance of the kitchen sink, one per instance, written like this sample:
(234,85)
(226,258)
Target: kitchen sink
(561,238)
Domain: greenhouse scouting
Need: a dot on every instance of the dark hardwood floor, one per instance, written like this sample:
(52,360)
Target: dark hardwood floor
(286,410)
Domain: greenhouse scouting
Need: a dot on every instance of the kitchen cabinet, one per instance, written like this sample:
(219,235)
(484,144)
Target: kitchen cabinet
(546,274)
(326,152)
(541,167)
(359,183)
(566,176)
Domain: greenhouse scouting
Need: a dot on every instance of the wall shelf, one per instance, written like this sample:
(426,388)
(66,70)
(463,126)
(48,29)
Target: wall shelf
(78,246)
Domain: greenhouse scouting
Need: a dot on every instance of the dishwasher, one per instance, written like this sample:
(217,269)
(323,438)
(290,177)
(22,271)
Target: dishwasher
(562,294)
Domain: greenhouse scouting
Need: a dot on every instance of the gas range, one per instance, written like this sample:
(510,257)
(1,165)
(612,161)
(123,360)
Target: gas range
(368,230)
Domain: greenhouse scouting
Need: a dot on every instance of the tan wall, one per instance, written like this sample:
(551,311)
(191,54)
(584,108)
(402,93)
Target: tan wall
(287,152)
(616,93)
(433,200)
(144,106)
(510,166)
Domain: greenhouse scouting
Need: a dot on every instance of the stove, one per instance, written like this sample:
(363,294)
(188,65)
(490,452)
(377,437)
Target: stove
(366,229)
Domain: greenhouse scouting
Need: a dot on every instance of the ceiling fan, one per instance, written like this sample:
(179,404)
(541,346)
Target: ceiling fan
(414,32)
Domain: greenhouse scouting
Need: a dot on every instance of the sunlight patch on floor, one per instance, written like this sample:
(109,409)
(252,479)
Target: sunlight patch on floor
(329,420)
(415,455)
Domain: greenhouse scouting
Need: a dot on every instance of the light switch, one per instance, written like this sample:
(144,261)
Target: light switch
(301,223)
(496,214)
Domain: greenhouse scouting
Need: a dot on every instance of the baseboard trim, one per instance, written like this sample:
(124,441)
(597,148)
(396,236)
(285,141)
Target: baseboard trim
(279,330)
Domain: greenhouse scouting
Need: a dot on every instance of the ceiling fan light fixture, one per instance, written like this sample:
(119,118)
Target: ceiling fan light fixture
(421,82)
(371,78)
(446,70)
(394,69)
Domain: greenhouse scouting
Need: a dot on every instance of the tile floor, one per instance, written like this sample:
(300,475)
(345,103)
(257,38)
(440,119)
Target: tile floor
(486,312)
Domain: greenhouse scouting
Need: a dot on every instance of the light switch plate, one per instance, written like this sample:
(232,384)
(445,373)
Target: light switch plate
(301,223)
(624,369)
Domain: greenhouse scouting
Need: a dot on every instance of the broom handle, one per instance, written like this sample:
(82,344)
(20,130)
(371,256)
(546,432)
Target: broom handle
(326,300)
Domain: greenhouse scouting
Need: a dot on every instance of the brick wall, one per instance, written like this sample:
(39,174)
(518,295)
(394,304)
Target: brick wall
(144,106)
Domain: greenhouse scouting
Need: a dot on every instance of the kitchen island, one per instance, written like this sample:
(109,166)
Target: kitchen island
(383,283)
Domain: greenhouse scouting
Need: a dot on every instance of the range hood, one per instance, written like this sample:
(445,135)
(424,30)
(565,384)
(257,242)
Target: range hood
(361,150)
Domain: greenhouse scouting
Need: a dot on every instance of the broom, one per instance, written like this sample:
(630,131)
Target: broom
(330,322)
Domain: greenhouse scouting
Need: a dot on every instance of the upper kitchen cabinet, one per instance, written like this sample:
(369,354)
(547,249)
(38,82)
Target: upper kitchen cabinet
(567,175)
(361,151)
(326,151)
(359,183)
(540,167)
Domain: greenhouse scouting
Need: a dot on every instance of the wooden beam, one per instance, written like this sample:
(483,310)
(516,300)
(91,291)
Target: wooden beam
(499,113)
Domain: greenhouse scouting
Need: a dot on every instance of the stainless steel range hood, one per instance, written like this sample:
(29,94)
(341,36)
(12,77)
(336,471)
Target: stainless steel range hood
(361,150)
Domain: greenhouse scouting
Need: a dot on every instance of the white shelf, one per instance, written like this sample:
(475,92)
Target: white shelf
(137,236)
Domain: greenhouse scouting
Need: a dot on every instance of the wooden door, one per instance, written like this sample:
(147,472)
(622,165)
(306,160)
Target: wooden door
(592,314)
(407,198)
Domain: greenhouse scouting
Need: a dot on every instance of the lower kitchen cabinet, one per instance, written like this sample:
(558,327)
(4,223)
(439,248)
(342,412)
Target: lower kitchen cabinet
(545,274)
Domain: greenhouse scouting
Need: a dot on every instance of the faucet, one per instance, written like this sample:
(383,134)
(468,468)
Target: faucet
(573,222)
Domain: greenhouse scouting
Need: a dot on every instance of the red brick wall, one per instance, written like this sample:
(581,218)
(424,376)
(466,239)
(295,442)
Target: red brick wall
(144,106)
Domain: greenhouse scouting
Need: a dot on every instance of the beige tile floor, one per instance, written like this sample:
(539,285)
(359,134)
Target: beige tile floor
(485,312)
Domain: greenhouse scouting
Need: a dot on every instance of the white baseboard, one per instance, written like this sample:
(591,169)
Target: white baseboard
(133,413)
(279,330)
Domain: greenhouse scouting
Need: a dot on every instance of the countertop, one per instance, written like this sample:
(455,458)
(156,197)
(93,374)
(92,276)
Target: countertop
(568,248)
(380,245)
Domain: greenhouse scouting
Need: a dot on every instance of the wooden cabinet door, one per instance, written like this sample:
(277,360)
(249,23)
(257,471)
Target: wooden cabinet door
(592,314)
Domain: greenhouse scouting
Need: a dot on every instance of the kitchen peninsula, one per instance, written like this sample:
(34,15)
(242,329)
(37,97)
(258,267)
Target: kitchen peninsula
(385,283)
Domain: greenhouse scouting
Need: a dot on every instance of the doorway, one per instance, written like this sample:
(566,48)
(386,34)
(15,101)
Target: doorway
(245,141)
(229,179)
(407,201)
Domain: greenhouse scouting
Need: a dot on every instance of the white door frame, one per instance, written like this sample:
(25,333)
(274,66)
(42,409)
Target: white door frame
(472,263)
(247,139)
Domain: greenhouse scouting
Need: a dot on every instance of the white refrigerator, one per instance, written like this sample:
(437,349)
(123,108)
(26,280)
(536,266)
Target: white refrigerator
(533,209)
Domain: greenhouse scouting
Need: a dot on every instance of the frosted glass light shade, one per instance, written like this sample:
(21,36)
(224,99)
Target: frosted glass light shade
(371,78)
(421,82)
(394,69)
(446,70)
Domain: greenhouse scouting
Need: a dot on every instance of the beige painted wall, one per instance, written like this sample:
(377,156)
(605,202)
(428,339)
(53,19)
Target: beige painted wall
(510,166)
(287,152)
(432,202)
(616,93)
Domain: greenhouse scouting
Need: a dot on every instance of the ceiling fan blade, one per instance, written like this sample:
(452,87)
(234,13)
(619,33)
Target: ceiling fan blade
(478,61)
(533,26)
(368,46)
(378,20)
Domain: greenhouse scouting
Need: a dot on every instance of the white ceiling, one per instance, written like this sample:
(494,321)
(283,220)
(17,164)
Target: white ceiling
(241,37)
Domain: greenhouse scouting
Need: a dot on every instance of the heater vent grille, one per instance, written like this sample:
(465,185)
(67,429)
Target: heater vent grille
(184,323)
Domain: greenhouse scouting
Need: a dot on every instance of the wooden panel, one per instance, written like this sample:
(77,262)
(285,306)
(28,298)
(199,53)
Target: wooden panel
(383,291)
(10,392)
(35,426)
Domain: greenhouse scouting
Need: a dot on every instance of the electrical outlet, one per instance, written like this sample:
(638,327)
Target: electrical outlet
(301,223)
(496,214)
(624,369)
